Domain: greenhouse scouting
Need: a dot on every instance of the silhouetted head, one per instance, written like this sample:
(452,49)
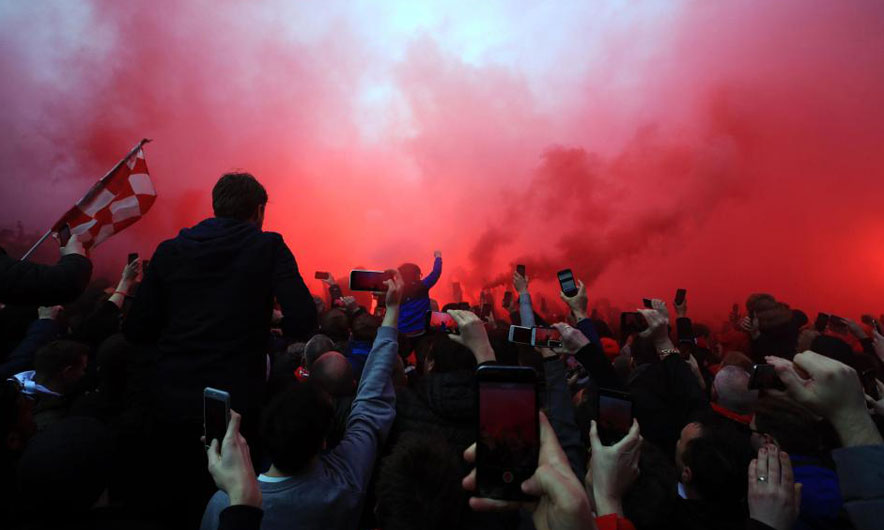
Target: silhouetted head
(730,389)
(335,324)
(334,374)
(239,196)
(410,273)
(315,347)
(295,425)
(61,364)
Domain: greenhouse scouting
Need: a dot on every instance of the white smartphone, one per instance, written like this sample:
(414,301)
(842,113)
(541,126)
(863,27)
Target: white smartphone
(521,335)
(216,414)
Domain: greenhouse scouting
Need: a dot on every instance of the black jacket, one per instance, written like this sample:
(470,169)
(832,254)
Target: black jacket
(26,283)
(206,302)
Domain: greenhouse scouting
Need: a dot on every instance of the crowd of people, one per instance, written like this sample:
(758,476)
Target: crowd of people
(348,415)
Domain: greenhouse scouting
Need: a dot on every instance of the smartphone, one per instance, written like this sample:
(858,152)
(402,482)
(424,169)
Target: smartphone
(836,321)
(566,281)
(870,386)
(764,377)
(507,299)
(680,295)
(361,280)
(821,323)
(132,257)
(508,430)
(632,322)
(438,321)
(464,306)
(521,335)
(216,414)
(319,275)
(485,311)
(648,303)
(547,338)
(64,235)
(521,270)
(615,415)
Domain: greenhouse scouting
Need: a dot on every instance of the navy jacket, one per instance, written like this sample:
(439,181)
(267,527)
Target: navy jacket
(206,302)
(26,283)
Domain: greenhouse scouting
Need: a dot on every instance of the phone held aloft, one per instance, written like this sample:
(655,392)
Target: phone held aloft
(439,321)
(542,337)
(615,415)
(566,281)
(216,414)
(508,430)
(764,377)
(362,280)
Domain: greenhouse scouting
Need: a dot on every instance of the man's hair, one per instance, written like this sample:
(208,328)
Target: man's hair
(316,346)
(650,501)
(334,374)
(365,327)
(294,425)
(731,386)
(419,485)
(449,356)
(719,459)
(53,358)
(335,324)
(794,428)
(237,195)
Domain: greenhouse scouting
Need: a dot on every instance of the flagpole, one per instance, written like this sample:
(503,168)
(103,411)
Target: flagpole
(90,192)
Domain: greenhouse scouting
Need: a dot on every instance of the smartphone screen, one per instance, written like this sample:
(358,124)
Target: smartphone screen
(566,281)
(615,415)
(508,438)
(507,299)
(648,303)
(521,270)
(438,321)
(764,377)
(132,257)
(368,280)
(680,296)
(485,311)
(216,414)
(821,323)
(632,322)
(520,335)
(321,275)
(547,338)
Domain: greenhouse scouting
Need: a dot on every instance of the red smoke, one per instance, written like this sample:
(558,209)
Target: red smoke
(722,148)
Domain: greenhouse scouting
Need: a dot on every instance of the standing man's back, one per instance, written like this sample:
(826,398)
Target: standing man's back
(207,298)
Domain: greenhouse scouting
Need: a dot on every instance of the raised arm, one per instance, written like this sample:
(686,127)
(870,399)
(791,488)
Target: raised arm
(434,275)
(526,310)
(374,408)
(26,283)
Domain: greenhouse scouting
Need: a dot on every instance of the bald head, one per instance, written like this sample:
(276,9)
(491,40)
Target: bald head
(731,390)
(333,373)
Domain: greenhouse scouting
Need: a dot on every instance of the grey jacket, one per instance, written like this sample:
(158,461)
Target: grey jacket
(329,494)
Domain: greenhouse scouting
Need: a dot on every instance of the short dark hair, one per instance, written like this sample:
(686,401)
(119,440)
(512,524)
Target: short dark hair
(335,324)
(294,426)
(419,485)
(53,358)
(237,195)
(450,356)
(719,460)
(365,327)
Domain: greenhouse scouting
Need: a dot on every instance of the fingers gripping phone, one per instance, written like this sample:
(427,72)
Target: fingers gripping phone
(132,257)
(615,415)
(547,338)
(764,377)
(361,280)
(566,281)
(508,430)
(521,270)
(632,322)
(438,321)
(216,414)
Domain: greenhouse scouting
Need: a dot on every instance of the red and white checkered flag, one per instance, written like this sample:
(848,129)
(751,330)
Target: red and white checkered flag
(116,201)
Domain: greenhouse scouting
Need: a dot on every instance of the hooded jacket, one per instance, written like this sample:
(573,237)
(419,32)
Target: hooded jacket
(206,303)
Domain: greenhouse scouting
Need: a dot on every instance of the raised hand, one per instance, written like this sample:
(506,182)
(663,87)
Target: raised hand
(49,312)
(578,302)
(230,465)
(832,390)
(774,497)
(750,325)
(562,503)
(395,287)
(73,246)
(572,338)
(520,283)
(612,469)
(877,406)
(130,271)
(437,253)
(472,335)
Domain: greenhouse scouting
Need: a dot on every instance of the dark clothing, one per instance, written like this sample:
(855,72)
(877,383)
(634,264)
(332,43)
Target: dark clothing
(413,311)
(206,303)
(704,515)
(241,517)
(26,283)
(357,353)
(41,332)
(439,402)
(560,411)
(593,359)
(666,397)
(862,485)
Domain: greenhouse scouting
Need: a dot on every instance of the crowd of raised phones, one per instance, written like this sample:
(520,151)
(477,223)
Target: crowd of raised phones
(335,414)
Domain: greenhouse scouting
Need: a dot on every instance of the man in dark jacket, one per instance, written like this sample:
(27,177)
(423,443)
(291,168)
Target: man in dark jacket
(26,283)
(207,298)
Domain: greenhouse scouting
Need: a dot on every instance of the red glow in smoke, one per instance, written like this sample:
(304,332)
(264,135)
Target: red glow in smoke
(742,153)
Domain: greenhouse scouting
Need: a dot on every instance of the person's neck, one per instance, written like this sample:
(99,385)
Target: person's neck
(273,472)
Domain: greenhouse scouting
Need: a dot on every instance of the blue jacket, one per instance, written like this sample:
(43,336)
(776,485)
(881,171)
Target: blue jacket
(413,311)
